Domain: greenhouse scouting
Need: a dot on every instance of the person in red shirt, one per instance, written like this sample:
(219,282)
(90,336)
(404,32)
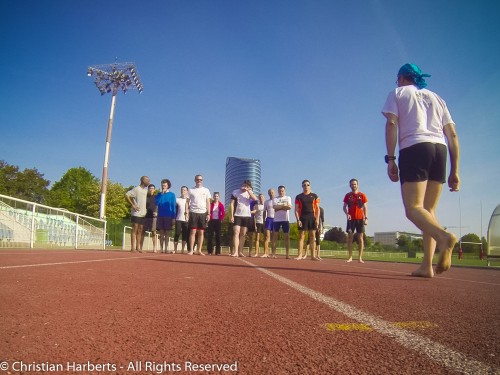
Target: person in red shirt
(356,210)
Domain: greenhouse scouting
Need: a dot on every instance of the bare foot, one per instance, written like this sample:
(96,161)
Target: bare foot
(349,260)
(445,251)
(420,272)
(361,261)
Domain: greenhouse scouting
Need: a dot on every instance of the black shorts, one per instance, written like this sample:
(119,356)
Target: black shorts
(197,221)
(244,221)
(150,224)
(260,227)
(139,220)
(181,228)
(308,223)
(423,162)
(164,223)
(355,225)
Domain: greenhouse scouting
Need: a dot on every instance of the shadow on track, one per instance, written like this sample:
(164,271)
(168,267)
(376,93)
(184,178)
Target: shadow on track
(271,268)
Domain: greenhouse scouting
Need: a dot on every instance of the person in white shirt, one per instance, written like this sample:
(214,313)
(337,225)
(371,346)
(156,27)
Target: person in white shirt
(282,206)
(198,204)
(181,221)
(241,215)
(419,120)
(137,197)
(259,221)
(268,225)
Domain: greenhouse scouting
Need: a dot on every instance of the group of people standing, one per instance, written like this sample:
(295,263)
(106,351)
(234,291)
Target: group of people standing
(251,214)
(162,212)
(416,118)
(195,211)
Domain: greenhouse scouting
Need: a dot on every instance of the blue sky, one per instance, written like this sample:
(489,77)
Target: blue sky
(296,84)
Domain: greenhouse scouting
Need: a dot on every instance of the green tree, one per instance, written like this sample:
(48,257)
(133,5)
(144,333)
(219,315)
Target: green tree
(28,184)
(336,234)
(116,205)
(72,190)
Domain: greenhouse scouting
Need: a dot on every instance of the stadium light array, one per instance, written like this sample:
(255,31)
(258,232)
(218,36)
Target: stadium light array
(111,78)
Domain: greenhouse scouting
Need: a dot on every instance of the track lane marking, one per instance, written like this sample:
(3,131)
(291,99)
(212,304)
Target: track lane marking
(415,325)
(439,353)
(72,262)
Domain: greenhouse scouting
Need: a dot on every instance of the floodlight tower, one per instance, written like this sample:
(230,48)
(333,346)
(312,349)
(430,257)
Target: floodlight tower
(111,78)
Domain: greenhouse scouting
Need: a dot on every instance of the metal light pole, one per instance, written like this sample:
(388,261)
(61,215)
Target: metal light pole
(111,78)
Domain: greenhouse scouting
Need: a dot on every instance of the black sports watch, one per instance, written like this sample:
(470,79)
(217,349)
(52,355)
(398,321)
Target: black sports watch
(387,158)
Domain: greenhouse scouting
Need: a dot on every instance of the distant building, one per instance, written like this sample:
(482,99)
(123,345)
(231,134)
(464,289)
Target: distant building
(238,170)
(391,238)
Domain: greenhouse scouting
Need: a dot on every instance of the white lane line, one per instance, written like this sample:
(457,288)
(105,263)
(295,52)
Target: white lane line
(74,262)
(445,356)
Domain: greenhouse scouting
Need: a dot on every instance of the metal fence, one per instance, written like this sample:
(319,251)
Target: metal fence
(26,224)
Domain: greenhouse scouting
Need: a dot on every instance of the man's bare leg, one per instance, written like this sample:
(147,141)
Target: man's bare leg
(199,244)
(302,235)
(140,237)
(192,237)
(350,237)
(243,232)
(361,245)
(236,240)
(420,200)
(267,241)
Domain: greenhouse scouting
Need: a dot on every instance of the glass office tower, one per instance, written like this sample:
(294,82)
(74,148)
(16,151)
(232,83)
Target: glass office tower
(238,170)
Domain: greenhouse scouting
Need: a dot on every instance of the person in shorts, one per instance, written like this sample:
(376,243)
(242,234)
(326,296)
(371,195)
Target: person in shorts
(181,221)
(198,204)
(268,224)
(356,210)
(419,121)
(259,221)
(307,215)
(241,215)
(137,198)
(282,205)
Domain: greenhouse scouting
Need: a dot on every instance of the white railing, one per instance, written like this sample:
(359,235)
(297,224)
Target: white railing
(28,224)
(148,241)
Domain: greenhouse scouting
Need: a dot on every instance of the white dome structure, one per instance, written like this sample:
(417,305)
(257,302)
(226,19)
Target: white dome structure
(494,237)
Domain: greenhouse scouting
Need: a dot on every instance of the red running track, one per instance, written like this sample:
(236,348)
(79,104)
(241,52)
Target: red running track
(122,313)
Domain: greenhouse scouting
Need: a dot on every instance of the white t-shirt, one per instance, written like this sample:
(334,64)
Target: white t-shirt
(242,203)
(259,213)
(198,200)
(282,215)
(422,114)
(139,195)
(181,209)
(269,208)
